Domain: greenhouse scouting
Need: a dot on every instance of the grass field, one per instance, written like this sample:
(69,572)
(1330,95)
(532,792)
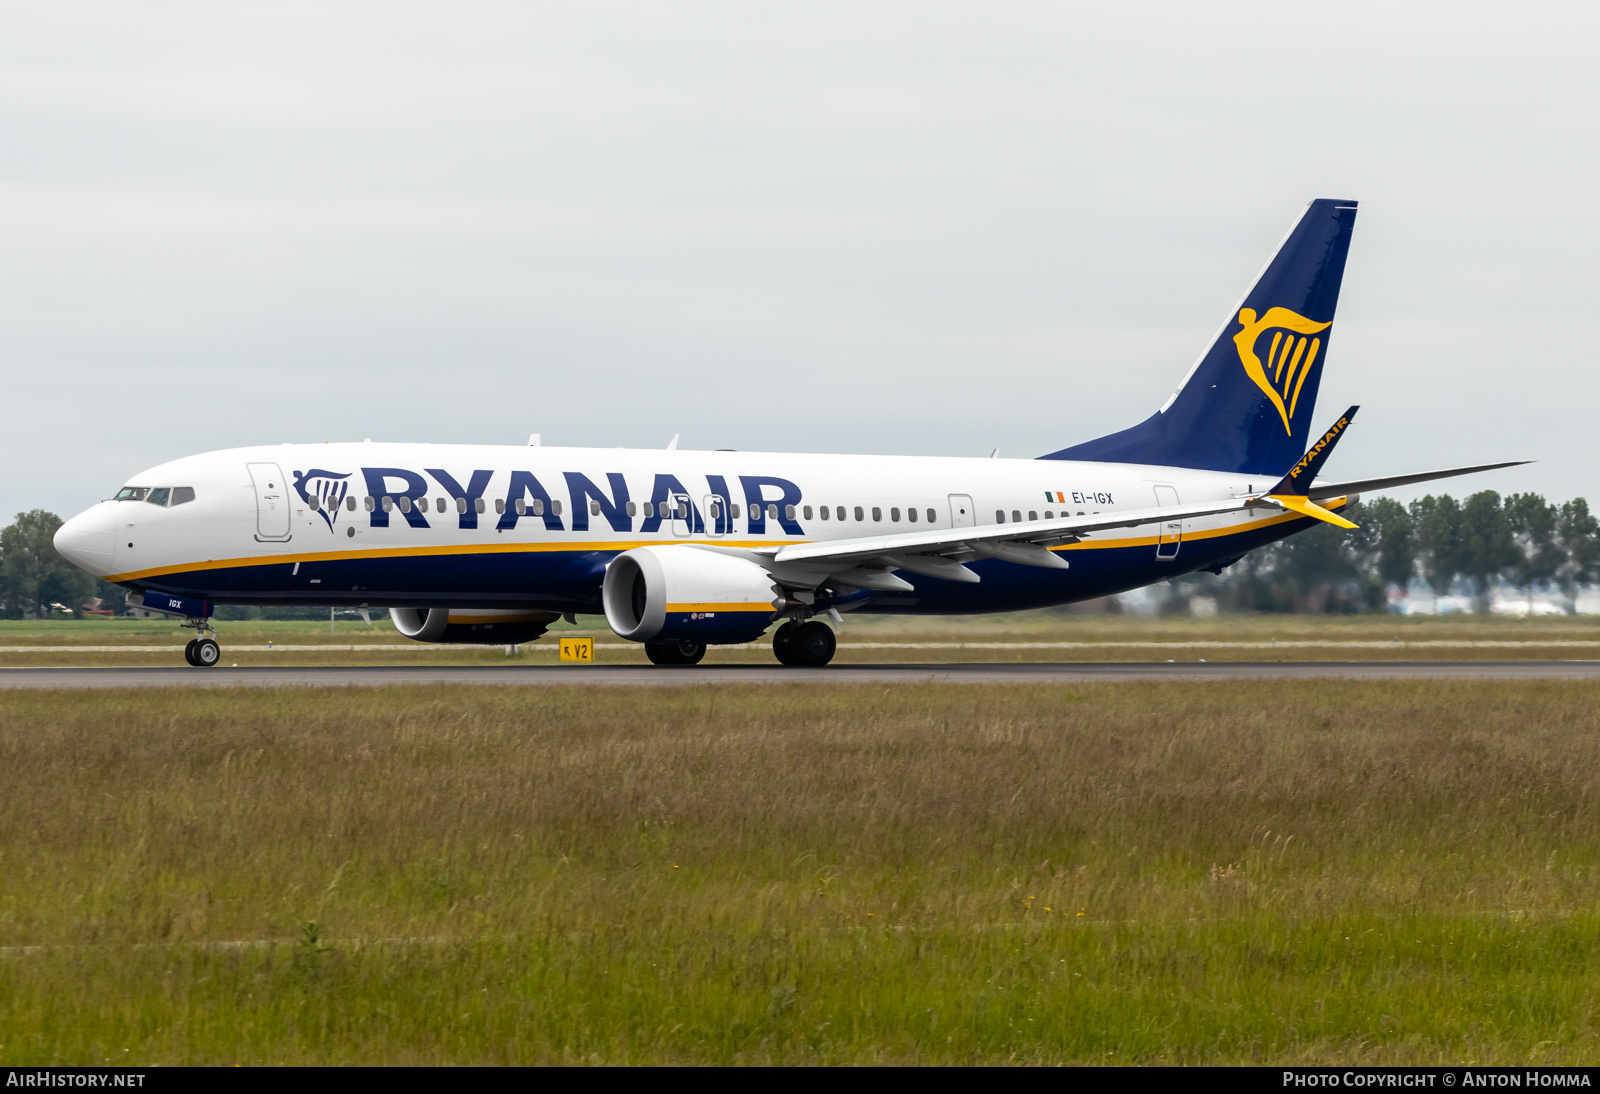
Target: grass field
(1028,636)
(1224,872)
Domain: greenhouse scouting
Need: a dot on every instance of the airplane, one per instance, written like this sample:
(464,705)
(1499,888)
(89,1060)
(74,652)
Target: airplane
(685,549)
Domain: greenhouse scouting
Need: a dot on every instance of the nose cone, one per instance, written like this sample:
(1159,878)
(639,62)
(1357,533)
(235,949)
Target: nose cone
(85,540)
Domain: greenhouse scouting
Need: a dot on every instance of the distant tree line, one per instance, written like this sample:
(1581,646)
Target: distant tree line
(33,576)
(1480,544)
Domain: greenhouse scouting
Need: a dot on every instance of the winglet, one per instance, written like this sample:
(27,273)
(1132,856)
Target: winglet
(1308,508)
(1298,480)
(1292,489)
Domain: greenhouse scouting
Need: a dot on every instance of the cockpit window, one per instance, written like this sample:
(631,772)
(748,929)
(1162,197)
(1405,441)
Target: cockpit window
(132,493)
(158,496)
(181,494)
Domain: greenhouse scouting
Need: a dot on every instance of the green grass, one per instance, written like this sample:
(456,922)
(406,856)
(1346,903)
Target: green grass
(1231,872)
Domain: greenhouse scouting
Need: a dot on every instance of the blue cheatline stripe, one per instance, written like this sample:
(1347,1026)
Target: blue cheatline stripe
(570,580)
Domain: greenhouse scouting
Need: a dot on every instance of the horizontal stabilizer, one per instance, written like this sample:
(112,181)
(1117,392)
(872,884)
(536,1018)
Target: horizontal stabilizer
(1325,490)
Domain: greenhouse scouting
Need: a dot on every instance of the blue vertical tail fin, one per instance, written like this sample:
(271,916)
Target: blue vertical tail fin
(1246,405)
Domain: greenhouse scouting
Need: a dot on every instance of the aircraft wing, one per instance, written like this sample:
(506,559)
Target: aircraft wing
(1320,491)
(867,561)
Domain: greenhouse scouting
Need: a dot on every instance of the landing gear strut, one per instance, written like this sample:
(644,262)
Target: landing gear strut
(804,645)
(675,653)
(202,651)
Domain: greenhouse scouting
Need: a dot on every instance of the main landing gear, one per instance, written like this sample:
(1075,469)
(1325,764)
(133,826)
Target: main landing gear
(202,651)
(804,645)
(675,653)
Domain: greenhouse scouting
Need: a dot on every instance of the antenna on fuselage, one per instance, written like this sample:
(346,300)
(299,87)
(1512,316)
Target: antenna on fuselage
(672,445)
(533,440)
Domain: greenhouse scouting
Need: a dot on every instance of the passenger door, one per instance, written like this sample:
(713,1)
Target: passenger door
(272,503)
(1172,530)
(962,514)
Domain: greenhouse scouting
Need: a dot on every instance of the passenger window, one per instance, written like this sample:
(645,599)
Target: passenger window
(649,509)
(1048,515)
(438,505)
(555,507)
(315,503)
(422,505)
(824,512)
(182,494)
(405,503)
(461,505)
(1033,514)
(158,496)
(499,505)
(788,511)
(521,507)
(877,515)
(370,502)
(733,507)
(714,510)
(1016,516)
(633,508)
(132,493)
(538,507)
(388,504)
(807,512)
(894,514)
(999,516)
(478,504)
(859,515)
(594,508)
(932,516)
(911,515)
(839,513)
(350,504)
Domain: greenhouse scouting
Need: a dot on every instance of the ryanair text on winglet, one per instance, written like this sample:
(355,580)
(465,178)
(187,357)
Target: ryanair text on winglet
(1327,439)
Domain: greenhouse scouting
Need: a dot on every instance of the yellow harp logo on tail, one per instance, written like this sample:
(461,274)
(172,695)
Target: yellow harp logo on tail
(1289,358)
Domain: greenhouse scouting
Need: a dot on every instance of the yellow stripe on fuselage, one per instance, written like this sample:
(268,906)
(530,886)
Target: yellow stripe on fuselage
(739,606)
(520,548)
(416,552)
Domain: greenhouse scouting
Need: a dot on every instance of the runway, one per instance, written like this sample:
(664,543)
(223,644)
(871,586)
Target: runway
(653,676)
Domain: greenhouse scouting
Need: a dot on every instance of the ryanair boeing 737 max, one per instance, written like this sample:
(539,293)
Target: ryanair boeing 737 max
(485,544)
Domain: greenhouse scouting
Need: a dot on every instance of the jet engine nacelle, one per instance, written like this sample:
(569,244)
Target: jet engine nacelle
(484,628)
(684,593)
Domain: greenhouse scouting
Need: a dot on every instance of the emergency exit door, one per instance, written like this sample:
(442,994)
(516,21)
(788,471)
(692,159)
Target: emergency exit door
(961,513)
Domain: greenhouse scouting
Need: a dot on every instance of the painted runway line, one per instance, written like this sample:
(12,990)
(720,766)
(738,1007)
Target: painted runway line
(659,676)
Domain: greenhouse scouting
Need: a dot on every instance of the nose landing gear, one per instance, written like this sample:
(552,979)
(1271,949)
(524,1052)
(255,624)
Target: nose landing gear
(202,651)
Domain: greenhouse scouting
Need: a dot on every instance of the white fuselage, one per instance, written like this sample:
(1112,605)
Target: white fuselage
(425,524)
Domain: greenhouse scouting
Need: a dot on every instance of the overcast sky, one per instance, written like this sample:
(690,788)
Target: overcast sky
(920,228)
